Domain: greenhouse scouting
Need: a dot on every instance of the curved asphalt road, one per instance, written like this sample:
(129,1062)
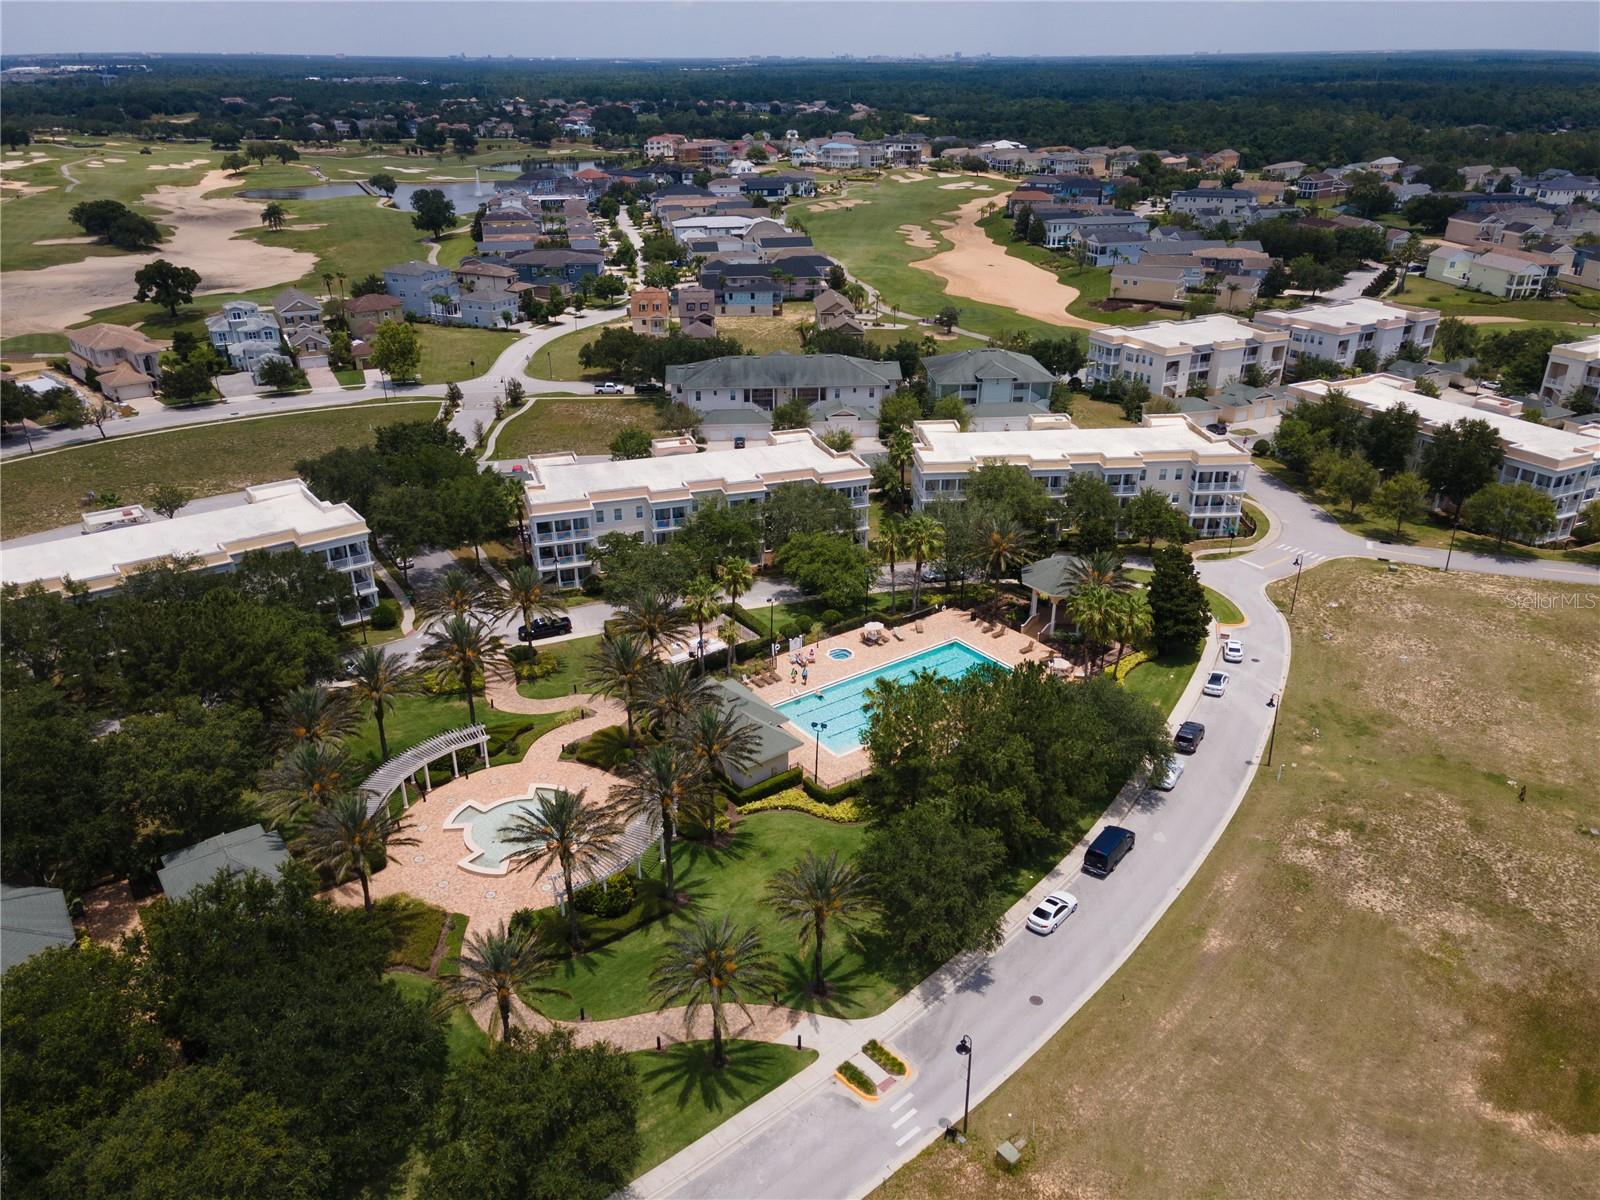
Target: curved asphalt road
(810,1138)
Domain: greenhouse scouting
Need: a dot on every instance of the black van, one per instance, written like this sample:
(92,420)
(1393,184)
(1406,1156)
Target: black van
(1107,850)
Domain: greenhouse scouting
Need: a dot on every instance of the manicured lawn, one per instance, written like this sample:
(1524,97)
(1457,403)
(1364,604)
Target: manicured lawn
(808,611)
(1097,414)
(558,359)
(1162,680)
(463,1038)
(582,424)
(1263,527)
(1224,610)
(1093,283)
(42,491)
(1453,301)
(416,926)
(453,353)
(614,980)
(684,1097)
(35,343)
(574,657)
(866,239)
(417,718)
(1390,955)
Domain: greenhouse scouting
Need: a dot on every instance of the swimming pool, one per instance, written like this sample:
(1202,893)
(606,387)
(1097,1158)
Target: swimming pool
(483,824)
(842,705)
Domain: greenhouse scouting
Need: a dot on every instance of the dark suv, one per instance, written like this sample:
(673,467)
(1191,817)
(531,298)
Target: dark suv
(1107,850)
(544,627)
(1190,734)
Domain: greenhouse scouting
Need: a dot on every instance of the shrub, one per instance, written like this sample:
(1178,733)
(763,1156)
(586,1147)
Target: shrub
(790,629)
(385,615)
(782,781)
(1262,447)
(1129,662)
(877,1053)
(827,795)
(832,617)
(607,748)
(852,1075)
(845,812)
(523,921)
(693,824)
(609,898)
(528,664)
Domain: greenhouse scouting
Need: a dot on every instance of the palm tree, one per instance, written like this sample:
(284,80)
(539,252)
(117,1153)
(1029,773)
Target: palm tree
(273,216)
(660,782)
(702,604)
(1008,547)
(728,631)
(673,692)
(528,592)
(1101,568)
(1131,622)
(560,830)
(723,739)
(464,646)
(315,713)
(891,547)
(456,593)
(813,893)
(342,836)
(1091,611)
(620,669)
(327,282)
(710,965)
(736,577)
(653,619)
(307,777)
(500,964)
(379,678)
(924,541)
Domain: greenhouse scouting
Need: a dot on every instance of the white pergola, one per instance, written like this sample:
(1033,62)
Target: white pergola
(392,775)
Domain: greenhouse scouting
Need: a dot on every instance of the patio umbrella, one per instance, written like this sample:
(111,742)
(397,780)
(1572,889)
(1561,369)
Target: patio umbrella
(873,627)
(1059,664)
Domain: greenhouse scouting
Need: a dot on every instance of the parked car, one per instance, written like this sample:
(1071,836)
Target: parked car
(1232,651)
(1107,850)
(544,627)
(1216,683)
(649,385)
(933,573)
(1168,779)
(1052,911)
(1217,427)
(1190,734)
(609,389)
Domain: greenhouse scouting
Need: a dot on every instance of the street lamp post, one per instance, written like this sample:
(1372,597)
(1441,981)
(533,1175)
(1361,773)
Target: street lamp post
(818,728)
(1298,567)
(1451,549)
(964,1048)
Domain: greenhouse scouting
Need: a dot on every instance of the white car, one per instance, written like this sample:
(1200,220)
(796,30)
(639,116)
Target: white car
(1233,651)
(1216,683)
(1052,910)
(609,389)
(1168,779)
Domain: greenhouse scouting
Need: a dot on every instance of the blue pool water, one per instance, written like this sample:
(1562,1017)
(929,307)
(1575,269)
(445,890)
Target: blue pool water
(841,705)
(488,825)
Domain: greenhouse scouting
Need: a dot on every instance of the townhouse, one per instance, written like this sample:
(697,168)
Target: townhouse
(571,504)
(1572,368)
(1344,329)
(1064,160)
(486,294)
(696,310)
(1171,356)
(105,548)
(1114,228)
(420,287)
(561,266)
(1563,463)
(995,385)
(650,311)
(246,336)
(1500,271)
(763,382)
(1202,474)
(1559,187)
(1320,185)
(778,186)
(1209,205)
(123,363)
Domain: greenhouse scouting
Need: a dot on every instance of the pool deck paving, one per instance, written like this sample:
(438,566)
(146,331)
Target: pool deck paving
(947,625)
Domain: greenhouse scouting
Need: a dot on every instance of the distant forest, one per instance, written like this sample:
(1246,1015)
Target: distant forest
(1530,110)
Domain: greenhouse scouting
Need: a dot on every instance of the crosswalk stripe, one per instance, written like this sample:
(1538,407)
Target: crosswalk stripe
(909,1134)
(904,1117)
(902,1102)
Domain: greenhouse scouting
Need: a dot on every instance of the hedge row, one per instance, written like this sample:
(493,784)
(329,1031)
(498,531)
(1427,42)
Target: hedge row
(833,795)
(853,1075)
(780,782)
(846,812)
(876,1051)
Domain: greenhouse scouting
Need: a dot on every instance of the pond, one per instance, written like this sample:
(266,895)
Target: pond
(466,195)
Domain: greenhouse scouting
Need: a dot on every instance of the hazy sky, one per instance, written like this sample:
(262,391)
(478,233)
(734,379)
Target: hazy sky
(685,28)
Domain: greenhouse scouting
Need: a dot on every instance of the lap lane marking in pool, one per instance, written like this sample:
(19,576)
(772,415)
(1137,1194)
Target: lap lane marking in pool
(841,705)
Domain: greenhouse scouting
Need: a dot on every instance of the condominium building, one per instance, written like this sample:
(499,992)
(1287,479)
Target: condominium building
(1341,330)
(766,381)
(990,382)
(570,503)
(1572,368)
(1201,473)
(208,535)
(1563,463)
(1170,355)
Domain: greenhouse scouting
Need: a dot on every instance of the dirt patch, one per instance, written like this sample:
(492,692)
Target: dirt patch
(980,270)
(205,237)
(918,237)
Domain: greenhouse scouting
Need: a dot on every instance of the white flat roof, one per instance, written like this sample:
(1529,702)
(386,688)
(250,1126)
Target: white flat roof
(1589,347)
(941,445)
(1201,331)
(787,457)
(262,516)
(1382,392)
(1360,311)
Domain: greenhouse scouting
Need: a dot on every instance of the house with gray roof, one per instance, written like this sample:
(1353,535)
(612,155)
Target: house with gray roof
(996,381)
(249,849)
(773,743)
(763,382)
(247,336)
(34,919)
(416,284)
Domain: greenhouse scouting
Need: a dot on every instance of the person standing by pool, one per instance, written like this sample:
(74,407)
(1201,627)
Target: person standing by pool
(805,676)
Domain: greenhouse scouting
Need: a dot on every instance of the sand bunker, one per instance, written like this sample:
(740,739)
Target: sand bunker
(942,221)
(13,187)
(980,270)
(918,237)
(204,238)
(183,166)
(907,178)
(302,228)
(71,241)
(830,205)
(965,186)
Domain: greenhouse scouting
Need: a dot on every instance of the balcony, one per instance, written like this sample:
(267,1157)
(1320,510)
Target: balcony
(1213,488)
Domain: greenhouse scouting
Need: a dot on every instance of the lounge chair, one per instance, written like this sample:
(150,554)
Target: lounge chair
(1028,649)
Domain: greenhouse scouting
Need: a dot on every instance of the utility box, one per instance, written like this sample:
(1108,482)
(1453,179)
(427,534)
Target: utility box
(1007,1156)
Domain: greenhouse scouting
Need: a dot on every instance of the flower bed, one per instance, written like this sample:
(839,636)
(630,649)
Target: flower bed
(876,1051)
(854,1079)
(846,812)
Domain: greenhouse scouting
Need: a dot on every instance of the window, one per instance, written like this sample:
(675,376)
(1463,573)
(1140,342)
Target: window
(599,516)
(638,512)
(616,514)
(1163,474)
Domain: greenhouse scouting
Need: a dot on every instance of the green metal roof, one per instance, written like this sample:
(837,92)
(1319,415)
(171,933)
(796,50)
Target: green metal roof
(970,366)
(249,849)
(32,919)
